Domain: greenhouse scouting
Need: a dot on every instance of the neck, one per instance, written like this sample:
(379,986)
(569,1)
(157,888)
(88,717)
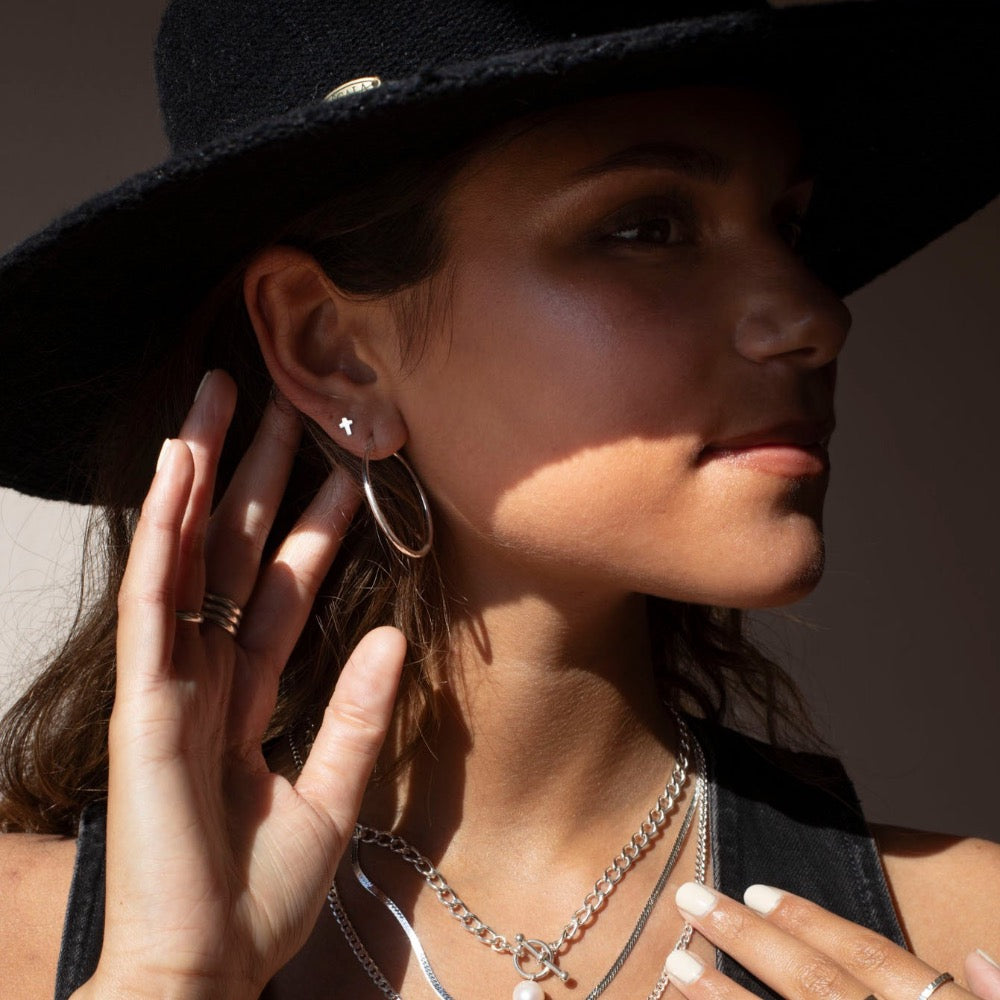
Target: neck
(552,726)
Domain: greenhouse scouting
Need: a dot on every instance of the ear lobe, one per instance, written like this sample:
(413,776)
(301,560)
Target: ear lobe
(320,346)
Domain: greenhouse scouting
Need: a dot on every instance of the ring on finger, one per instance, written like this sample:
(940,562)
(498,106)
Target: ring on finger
(222,611)
(945,977)
(218,610)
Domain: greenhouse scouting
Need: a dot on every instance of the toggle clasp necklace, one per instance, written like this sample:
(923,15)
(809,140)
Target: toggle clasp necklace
(541,953)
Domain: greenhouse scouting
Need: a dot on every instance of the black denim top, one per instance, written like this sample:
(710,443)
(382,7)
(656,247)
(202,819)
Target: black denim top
(790,820)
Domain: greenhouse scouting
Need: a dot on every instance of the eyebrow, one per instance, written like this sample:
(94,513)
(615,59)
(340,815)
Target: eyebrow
(702,164)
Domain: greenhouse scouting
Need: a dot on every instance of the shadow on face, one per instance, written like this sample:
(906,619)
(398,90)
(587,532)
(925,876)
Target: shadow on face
(624,294)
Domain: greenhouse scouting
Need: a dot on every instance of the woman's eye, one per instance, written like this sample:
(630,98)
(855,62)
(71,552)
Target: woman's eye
(660,231)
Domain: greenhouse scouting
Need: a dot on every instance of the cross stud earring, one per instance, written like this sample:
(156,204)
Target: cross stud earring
(346,424)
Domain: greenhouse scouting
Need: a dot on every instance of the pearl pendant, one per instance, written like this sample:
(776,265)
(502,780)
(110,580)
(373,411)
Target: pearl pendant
(528,991)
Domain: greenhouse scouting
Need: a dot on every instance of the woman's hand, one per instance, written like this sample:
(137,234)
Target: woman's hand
(217,868)
(804,952)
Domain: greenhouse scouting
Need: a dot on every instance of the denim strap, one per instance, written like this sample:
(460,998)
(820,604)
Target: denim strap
(83,929)
(793,821)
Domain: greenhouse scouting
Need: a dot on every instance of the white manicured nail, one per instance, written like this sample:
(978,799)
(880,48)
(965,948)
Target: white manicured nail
(684,967)
(695,899)
(992,961)
(762,898)
(164,448)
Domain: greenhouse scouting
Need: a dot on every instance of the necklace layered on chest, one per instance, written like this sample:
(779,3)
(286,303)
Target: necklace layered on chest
(535,958)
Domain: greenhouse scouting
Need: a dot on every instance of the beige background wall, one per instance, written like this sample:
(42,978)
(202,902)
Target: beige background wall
(900,660)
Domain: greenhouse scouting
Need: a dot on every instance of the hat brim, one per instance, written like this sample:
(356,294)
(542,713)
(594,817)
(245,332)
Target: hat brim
(898,101)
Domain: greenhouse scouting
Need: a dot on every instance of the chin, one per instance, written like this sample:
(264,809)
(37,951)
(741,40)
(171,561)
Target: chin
(784,584)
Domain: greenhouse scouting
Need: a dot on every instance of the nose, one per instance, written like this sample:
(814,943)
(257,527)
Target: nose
(787,312)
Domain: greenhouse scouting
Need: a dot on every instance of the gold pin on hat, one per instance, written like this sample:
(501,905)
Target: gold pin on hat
(355,86)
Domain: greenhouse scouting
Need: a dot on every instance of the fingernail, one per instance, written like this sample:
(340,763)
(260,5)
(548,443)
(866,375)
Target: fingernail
(695,899)
(684,967)
(992,961)
(164,448)
(201,384)
(762,898)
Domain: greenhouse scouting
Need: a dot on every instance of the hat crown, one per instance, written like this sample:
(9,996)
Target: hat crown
(223,65)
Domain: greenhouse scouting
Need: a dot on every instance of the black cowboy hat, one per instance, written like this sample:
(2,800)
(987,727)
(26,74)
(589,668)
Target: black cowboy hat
(896,100)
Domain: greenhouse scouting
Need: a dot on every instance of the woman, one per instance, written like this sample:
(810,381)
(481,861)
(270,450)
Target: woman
(578,290)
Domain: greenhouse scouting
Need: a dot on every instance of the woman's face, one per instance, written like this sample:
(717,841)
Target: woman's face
(625,297)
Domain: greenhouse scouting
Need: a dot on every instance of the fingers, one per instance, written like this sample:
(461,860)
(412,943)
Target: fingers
(220,551)
(146,599)
(288,586)
(204,432)
(354,727)
(800,950)
(282,603)
(886,968)
(197,549)
(983,975)
(281,596)
(242,521)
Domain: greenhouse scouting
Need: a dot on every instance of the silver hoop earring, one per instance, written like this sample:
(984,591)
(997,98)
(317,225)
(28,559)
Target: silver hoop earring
(394,540)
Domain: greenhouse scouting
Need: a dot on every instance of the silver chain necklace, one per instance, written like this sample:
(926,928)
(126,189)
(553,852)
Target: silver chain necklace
(523,949)
(528,990)
(544,954)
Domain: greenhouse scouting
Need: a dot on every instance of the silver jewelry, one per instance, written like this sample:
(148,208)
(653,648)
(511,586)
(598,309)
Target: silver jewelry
(701,798)
(699,868)
(355,86)
(521,992)
(524,949)
(297,759)
(697,801)
(345,425)
(380,519)
(223,612)
(218,610)
(390,904)
(945,977)
(359,950)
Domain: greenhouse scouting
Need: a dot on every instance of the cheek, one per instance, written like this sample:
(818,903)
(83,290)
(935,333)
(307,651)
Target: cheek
(539,370)
(640,514)
(561,420)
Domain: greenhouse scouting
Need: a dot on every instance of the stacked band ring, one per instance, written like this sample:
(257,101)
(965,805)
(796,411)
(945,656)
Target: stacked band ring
(218,610)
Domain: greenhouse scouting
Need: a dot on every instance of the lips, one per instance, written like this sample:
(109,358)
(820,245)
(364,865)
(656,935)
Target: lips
(798,433)
(791,449)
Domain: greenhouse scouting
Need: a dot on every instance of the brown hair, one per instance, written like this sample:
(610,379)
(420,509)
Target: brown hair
(385,237)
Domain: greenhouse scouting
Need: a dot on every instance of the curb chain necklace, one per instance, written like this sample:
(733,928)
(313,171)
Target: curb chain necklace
(529,990)
(523,949)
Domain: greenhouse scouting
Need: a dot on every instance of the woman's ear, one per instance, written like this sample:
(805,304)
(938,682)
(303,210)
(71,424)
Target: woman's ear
(331,354)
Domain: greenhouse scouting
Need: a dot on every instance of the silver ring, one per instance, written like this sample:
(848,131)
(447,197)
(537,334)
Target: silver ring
(945,977)
(223,612)
(195,617)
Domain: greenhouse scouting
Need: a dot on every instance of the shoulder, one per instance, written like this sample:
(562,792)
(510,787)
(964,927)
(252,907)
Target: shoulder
(946,890)
(35,875)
